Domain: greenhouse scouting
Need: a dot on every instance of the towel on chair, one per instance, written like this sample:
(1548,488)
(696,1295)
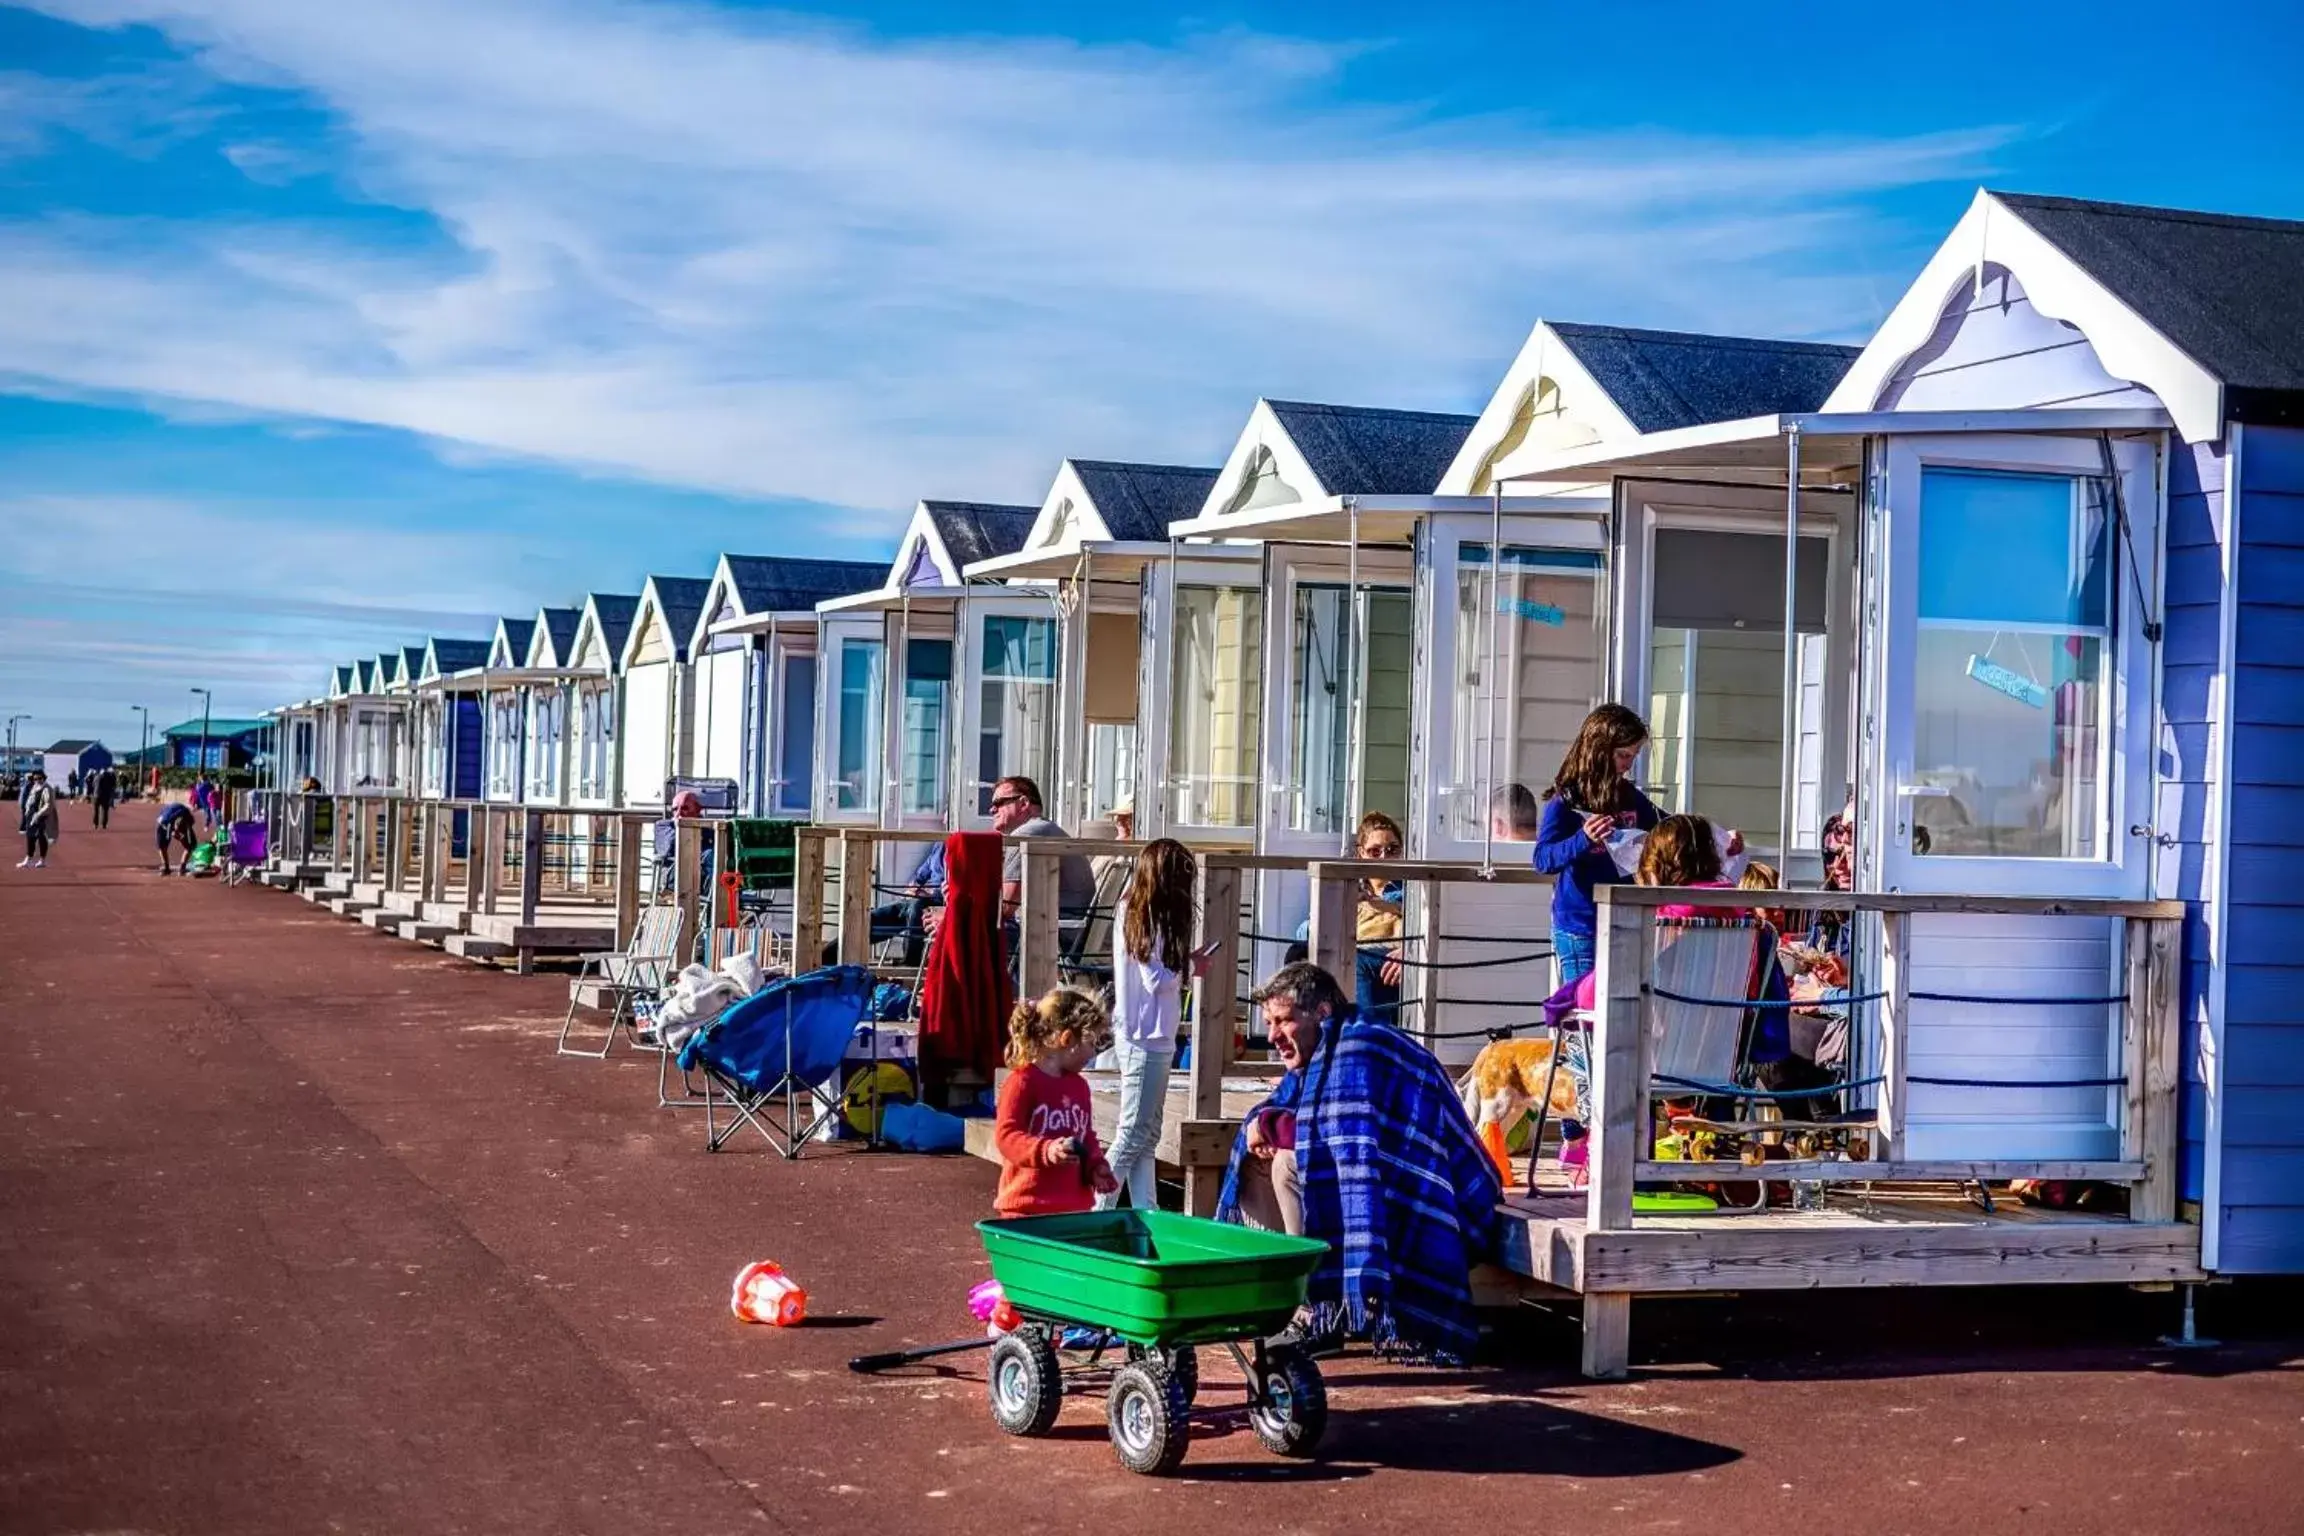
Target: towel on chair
(965,994)
(1395,1182)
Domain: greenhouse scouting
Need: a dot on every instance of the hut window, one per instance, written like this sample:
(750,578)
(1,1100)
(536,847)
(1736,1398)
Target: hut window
(925,728)
(1215,715)
(2011,664)
(1716,679)
(1545,612)
(1016,730)
(1321,714)
(796,737)
(856,765)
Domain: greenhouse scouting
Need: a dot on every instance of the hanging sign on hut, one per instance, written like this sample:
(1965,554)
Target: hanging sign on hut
(1535,612)
(2014,684)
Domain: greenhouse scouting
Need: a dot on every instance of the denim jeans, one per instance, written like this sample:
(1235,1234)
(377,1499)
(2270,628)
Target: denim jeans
(1577,954)
(1143,1106)
(1375,997)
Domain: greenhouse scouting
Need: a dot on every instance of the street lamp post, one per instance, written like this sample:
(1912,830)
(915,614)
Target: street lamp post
(12,719)
(207,705)
(144,741)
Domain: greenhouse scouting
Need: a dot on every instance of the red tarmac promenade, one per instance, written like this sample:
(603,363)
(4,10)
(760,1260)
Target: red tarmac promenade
(305,1229)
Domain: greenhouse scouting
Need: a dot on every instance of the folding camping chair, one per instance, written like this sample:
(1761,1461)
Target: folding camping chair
(250,844)
(772,1054)
(627,979)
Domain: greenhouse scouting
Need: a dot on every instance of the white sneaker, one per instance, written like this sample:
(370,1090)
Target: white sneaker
(39,863)
(24,863)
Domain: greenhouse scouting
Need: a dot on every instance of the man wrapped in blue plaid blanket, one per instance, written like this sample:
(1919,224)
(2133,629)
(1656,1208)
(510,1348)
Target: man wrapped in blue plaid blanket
(1364,1144)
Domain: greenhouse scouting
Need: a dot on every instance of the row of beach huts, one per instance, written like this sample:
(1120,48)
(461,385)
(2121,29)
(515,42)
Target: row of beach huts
(2014,591)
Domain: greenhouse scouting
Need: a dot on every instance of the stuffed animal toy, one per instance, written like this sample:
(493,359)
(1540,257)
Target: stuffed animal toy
(1503,1082)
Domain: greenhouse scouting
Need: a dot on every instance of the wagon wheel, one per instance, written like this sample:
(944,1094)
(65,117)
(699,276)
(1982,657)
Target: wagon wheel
(1292,1411)
(1181,1362)
(1025,1383)
(1147,1417)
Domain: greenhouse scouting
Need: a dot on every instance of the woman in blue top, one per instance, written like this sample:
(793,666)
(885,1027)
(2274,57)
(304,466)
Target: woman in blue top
(1592,796)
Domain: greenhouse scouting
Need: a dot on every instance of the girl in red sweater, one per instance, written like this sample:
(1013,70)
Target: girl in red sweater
(1044,1125)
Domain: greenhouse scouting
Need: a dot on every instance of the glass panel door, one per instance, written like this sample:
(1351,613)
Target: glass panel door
(1519,655)
(1009,698)
(2013,689)
(790,790)
(2015,686)
(1215,705)
(855,717)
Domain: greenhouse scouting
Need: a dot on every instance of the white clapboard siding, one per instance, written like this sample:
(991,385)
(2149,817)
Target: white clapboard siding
(2013,957)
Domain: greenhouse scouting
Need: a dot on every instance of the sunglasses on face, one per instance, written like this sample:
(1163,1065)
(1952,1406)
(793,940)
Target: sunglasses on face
(1380,850)
(1002,802)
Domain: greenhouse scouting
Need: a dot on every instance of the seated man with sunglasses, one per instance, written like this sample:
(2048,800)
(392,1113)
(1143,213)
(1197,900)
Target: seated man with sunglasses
(1017,812)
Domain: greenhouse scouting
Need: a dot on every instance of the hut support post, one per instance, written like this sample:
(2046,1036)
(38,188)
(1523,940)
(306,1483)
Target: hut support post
(2151,1065)
(1216,1013)
(1620,1131)
(1334,924)
(628,829)
(531,882)
(1039,920)
(687,884)
(859,851)
(808,874)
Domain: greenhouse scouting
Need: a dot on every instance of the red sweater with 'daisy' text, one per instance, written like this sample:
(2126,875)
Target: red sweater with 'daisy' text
(1036,1112)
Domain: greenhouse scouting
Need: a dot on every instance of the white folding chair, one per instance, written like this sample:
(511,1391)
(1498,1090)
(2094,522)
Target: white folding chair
(627,980)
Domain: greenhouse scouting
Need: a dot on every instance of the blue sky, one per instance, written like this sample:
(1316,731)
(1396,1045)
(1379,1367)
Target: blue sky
(324,327)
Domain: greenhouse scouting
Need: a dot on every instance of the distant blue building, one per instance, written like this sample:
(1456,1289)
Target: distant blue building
(228,743)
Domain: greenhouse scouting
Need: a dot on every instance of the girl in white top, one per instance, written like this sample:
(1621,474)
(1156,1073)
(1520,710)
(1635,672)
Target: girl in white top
(1152,932)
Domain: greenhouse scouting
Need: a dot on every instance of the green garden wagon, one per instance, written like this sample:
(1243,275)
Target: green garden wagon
(1160,1285)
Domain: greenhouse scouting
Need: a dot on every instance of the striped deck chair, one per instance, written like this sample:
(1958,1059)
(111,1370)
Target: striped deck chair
(1691,1042)
(627,980)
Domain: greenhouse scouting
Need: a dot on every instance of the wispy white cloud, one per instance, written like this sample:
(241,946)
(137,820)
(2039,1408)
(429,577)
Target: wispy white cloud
(773,256)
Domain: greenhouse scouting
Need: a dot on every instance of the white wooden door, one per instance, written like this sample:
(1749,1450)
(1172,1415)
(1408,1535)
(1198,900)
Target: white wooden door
(1512,654)
(1334,656)
(1007,676)
(851,718)
(2011,687)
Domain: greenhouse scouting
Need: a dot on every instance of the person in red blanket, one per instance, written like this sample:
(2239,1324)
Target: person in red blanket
(1045,1126)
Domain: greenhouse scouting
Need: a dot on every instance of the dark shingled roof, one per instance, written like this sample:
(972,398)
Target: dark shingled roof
(348,678)
(1666,379)
(615,610)
(517,634)
(1363,451)
(680,599)
(412,656)
(783,584)
(2229,291)
(975,530)
(74,747)
(1139,501)
(560,624)
(461,655)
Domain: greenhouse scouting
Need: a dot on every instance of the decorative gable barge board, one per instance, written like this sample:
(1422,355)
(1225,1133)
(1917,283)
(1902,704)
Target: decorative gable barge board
(2261,1189)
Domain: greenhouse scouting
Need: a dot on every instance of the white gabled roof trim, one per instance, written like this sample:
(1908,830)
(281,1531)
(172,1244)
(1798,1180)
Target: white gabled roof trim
(1263,432)
(1542,356)
(2127,345)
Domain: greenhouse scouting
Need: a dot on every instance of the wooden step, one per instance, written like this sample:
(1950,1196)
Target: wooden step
(471,946)
(418,932)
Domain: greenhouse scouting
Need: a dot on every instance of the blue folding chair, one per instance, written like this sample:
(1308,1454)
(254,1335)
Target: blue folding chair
(772,1053)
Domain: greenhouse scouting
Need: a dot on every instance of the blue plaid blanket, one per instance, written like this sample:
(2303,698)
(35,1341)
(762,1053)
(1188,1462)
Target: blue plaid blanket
(1394,1181)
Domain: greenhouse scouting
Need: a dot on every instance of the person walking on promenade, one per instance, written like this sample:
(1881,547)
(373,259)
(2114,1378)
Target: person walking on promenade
(103,794)
(36,819)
